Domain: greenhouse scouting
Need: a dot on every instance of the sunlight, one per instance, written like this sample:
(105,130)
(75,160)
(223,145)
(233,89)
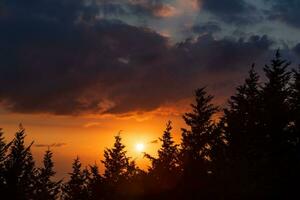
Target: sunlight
(139,147)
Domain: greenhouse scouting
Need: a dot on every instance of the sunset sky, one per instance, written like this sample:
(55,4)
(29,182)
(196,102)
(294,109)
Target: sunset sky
(77,72)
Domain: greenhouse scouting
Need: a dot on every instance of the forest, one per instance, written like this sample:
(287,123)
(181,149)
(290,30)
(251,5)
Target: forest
(251,152)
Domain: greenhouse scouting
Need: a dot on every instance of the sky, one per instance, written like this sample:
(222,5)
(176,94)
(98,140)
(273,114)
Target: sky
(77,72)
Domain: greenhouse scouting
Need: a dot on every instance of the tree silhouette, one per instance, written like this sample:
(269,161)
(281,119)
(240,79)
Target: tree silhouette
(96,185)
(3,155)
(20,172)
(276,93)
(294,164)
(47,189)
(243,129)
(76,187)
(166,165)
(119,171)
(197,141)
(276,117)
(116,162)
(295,103)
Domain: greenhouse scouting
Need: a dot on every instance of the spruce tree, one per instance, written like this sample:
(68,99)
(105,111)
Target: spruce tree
(76,187)
(46,188)
(294,164)
(3,156)
(295,104)
(20,171)
(244,133)
(96,185)
(276,93)
(197,142)
(116,162)
(165,168)
(276,116)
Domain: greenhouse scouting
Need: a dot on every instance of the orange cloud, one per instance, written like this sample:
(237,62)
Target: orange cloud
(166,11)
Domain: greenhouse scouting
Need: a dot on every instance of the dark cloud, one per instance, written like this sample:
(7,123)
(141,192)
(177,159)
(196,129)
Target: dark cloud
(140,8)
(53,64)
(231,11)
(296,49)
(206,28)
(51,145)
(286,11)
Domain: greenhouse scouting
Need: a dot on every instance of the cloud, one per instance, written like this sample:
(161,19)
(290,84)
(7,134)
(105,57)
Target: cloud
(238,12)
(153,142)
(141,8)
(206,28)
(66,64)
(50,145)
(91,124)
(286,11)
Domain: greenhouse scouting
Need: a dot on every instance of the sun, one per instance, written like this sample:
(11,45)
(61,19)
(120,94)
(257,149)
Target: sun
(139,147)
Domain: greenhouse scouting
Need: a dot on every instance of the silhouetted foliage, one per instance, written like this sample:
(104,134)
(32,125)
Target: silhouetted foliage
(119,170)
(3,155)
(20,171)
(197,142)
(295,105)
(96,185)
(76,188)
(46,188)
(116,162)
(164,167)
(276,117)
(243,129)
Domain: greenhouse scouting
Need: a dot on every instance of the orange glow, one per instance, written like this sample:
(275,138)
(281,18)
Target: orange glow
(88,136)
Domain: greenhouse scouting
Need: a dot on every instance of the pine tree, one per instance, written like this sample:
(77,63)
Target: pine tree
(294,164)
(197,141)
(164,169)
(295,103)
(3,156)
(20,171)
(116,162)
(276,115)
(46,188)
(76,187)
(276,94)
(96,185)
(244,134)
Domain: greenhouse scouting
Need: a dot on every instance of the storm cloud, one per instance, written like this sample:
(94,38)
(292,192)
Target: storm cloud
(231,11)
(59,57)
(286,11)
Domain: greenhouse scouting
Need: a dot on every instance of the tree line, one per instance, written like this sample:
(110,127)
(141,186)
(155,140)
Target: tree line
(251,152)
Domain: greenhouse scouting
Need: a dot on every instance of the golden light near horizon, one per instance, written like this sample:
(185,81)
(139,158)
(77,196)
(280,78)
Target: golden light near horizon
(140,147)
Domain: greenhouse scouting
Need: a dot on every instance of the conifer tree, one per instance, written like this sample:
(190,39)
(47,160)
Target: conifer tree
(46,188)
(243,128)
(116,162)
(3,155)
(294,164)
(164,169)
(96,186)
(20,171)
(197,141)
(276,116)
(295,103)
(276,92)
(76,187)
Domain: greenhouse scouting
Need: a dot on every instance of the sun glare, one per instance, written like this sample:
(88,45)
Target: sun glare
(139,147)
